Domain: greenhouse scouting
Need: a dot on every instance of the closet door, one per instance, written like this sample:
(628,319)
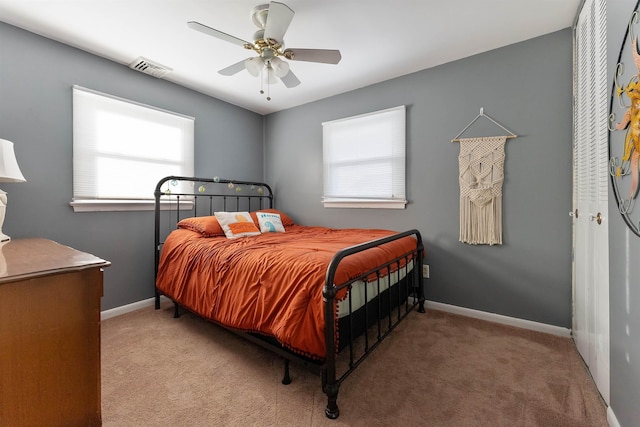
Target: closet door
(591,240)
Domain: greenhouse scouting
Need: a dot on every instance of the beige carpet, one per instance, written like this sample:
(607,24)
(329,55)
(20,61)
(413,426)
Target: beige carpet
(435,369)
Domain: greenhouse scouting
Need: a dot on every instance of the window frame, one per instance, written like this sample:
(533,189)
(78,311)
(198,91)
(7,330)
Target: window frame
(89,203)
(398,168)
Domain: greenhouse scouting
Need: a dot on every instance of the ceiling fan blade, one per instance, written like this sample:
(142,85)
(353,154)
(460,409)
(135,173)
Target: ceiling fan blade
(278,20)
(233,69)
(326,56)
(290,80)
(215,33)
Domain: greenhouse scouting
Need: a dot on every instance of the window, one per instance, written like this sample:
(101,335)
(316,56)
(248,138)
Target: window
(364,160)
(121,149)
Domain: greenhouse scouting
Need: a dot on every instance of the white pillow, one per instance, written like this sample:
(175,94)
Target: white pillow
(270,222)
(237,224)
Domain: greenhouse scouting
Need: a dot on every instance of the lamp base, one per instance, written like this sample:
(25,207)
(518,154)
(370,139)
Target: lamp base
(3,210)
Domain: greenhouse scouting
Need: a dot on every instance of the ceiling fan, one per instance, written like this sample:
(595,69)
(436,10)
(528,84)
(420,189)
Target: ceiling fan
(272,20)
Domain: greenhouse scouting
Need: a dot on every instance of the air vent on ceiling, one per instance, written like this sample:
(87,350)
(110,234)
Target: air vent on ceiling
(149,67)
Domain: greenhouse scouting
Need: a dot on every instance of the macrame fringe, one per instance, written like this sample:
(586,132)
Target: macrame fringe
(481,225)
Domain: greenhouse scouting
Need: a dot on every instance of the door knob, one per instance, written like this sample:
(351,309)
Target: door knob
(597,218)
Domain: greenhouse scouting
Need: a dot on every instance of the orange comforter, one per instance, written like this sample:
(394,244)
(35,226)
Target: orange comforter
(271,283)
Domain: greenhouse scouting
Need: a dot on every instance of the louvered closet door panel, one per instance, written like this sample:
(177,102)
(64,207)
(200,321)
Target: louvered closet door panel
(581,244)
(600,231)
(591,263)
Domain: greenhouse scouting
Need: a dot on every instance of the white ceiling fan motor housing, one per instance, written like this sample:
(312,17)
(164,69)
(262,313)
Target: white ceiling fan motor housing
(259,15)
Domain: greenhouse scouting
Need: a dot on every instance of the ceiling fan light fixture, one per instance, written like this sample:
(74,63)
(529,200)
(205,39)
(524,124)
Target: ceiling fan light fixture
(254,65)
(280,67)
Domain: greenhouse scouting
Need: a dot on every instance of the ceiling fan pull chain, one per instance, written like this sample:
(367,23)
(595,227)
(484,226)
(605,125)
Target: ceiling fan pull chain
(268,85)
(261,82)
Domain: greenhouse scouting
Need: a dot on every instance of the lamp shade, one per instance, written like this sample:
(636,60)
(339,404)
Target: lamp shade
(9,169)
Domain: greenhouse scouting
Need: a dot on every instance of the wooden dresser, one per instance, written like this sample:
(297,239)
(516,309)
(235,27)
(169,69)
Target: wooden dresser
(49,334)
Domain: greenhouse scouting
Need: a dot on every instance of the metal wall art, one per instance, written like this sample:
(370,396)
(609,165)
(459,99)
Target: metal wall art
(624,115)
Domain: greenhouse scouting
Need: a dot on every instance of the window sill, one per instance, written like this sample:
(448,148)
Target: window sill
(125,205)
(368,204)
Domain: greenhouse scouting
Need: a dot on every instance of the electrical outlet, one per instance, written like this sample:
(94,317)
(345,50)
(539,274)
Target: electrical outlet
(425,271)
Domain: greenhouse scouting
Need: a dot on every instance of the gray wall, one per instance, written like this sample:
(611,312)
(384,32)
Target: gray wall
(36,76)
(624,268)
(527,87)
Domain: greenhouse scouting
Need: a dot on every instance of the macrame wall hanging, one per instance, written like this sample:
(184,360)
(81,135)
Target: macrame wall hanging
(481,165)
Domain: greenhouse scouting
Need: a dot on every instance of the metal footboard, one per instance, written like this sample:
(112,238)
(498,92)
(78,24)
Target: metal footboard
(385,319)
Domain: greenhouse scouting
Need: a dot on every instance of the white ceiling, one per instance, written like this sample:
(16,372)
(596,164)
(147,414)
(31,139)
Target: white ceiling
(379,40)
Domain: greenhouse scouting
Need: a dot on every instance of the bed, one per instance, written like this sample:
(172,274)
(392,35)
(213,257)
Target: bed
(318,296)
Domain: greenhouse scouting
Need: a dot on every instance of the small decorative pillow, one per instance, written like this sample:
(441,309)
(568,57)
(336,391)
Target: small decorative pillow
(208,226)
(237,224)
(270,222)
(286,219)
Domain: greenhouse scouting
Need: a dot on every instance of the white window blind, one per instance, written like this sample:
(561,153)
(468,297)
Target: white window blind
(121,149)
(364,160)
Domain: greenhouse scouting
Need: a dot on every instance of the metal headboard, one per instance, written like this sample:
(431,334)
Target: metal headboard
(193,196)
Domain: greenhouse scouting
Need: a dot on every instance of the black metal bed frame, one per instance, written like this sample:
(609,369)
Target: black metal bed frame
(381,314)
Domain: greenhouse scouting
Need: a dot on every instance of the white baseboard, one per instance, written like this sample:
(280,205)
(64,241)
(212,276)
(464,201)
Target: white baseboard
(611,418)
(498,318)
(118,311)
(476,314)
